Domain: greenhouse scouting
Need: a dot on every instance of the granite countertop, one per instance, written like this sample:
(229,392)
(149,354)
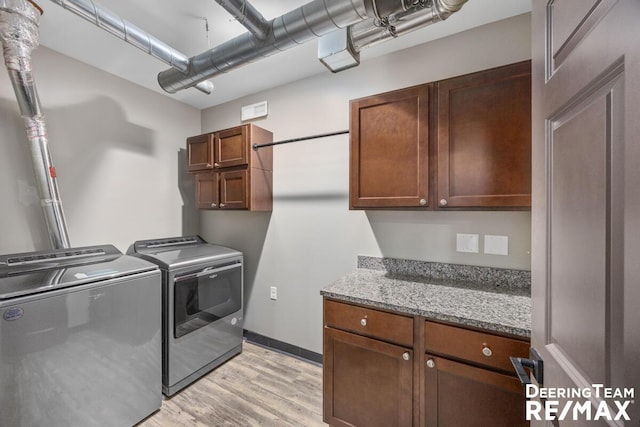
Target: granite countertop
(492,299)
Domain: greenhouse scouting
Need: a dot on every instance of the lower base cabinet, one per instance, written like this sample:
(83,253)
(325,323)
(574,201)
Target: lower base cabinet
(367,382)
(371,376)
(457,395)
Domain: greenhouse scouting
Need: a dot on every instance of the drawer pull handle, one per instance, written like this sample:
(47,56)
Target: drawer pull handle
(487,351)
(406,356)
(431,364)
(363,321)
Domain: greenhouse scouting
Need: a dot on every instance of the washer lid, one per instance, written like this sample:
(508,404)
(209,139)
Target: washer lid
(34,272)
(174,252)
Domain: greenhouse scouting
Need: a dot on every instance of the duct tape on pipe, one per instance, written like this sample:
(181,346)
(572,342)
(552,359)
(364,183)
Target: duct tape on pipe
(50,202)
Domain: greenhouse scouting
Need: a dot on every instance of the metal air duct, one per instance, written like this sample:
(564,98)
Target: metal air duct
(109,21)
(19,20)
(247,15)
(340,50)
(368,22)
(298,26)
(425,12)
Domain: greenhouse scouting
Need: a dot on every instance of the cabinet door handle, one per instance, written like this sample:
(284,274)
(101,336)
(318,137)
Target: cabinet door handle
(406,356)
(443,202)
(213,205)
(431,364)
(423,202)
(209,165)
(222,205)
(535,363)
(487,351)
(216,165)
(363,321)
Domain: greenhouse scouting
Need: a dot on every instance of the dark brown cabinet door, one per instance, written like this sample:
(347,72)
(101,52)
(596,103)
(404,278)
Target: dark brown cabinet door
(367,382)
(232,147)
(200,152)
(390,149)
(457,395)
(207,190)
(483,139)
(234,189)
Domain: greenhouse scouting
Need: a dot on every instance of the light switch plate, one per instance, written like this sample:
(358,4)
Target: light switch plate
(496,245)
(467,242)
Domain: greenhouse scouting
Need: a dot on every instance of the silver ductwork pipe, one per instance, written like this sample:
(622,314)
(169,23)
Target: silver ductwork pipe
(247,15)
(125,30)
(375,30)
(317,18)
(368,22)
(19,20)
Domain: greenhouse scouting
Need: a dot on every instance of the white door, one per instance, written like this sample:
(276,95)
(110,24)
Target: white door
(586,208)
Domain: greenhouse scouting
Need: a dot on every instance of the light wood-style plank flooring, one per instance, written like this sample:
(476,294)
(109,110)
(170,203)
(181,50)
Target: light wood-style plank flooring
(259,387)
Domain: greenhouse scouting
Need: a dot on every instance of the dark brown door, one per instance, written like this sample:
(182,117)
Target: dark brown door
(586,197)
(390,149)
(207,190)
(462,395)
(367,383)
(200,152)
(234,189)
(484,139)
(232,147)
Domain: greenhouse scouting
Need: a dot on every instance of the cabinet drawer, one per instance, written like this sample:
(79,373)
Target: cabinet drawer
(478,347)
(390,327)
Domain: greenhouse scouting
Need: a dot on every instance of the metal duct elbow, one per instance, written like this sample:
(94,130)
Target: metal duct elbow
(312,20)
(445,8)
(19,20)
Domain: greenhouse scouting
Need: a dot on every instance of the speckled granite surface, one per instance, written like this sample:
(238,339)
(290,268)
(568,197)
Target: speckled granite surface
(488,298)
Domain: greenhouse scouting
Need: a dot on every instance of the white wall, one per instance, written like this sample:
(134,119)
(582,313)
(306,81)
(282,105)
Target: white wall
(116,147)
(311,238)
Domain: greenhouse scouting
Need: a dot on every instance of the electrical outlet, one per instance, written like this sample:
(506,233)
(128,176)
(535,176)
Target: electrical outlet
(273,293)
(496,245)
(467,242)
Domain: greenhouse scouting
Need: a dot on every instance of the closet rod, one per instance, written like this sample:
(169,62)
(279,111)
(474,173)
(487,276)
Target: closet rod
(324,135)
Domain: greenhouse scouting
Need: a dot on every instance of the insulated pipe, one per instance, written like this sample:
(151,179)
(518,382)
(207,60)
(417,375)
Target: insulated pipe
(312,20)
(373,31)
(247,15)
(125,30)
(19,20)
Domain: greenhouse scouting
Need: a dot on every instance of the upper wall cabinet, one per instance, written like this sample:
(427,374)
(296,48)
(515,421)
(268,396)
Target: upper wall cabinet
(390,149)
(483,139)
(230,174)
(461,143)
(228,148)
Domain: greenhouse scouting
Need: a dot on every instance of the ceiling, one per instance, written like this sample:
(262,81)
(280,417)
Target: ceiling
(181,24)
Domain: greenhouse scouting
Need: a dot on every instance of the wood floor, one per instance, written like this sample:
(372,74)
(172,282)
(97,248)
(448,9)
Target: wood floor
(259,387)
